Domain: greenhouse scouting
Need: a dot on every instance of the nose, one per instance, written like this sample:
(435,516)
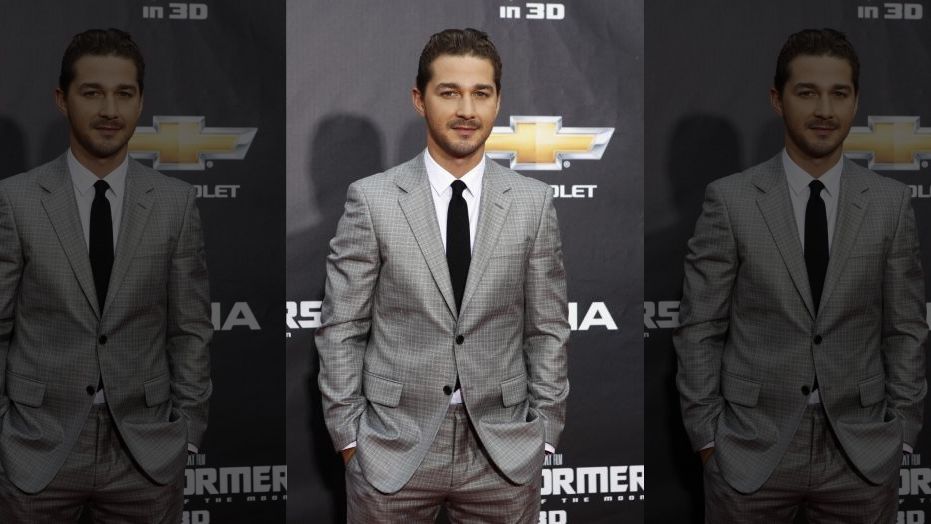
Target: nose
(824,107)
(108,106)
(466,107)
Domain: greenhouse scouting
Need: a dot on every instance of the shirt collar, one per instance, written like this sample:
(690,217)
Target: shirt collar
(799,179)
(441,179)
(83,179)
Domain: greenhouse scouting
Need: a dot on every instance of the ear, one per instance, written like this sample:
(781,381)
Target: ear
(61,101)
(775,100)
(417,100)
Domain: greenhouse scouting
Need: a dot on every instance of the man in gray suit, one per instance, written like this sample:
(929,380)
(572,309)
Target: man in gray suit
(444,327)
(104,313)
(801,344)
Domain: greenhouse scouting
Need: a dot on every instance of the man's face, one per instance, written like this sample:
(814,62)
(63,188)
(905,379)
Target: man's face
(817,104)
(102,104)
(460,104)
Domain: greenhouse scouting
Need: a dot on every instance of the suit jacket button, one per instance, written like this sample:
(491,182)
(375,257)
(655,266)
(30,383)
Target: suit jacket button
(446,389)
(90,390)
(806,390)
(102,339)
(460,339)
(817,339)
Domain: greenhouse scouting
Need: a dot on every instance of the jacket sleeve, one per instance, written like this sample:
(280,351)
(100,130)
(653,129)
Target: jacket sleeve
(904,328)
(11,269)
(546,325)
(189,327)
(704,312)
(346,317)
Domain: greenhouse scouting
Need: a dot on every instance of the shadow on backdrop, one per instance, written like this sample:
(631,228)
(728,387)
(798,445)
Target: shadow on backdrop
(344,149)
(413,140)
(13,152)
(702,148)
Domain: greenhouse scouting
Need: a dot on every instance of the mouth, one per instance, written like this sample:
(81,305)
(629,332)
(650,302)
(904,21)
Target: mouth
(108,128)
(465,126)
(822,128)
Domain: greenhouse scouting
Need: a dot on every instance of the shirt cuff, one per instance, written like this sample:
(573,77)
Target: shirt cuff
(191,448)
(707,446)
(548,448)
(906,448)
(350,445)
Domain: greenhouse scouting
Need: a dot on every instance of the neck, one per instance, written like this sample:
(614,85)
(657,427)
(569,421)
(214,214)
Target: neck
(457,166)
(100,166)
(813,166)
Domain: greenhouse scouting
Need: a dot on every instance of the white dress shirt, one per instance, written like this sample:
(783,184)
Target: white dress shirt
(83,180)
(441,182)
(799,192)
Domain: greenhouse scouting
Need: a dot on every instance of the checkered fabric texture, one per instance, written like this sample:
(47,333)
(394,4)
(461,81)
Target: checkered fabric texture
(749,338)
(149,344)
(390,338)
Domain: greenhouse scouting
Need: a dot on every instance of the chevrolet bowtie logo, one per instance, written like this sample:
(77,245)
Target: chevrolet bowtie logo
(895,143)
(541,143)
(182,143)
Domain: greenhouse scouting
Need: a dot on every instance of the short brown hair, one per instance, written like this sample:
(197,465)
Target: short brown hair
(457,42)
(816,42)
(100,42)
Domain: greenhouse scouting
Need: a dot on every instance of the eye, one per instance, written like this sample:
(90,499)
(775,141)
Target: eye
(90,93)
(125,94)
(482,94)
(841,94)
(448,94)
(806,93)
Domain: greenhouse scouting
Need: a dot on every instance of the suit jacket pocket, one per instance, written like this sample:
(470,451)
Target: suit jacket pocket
(739,390)
(157,390)
(872,390)
(25,391)
(514,390)
(381,390)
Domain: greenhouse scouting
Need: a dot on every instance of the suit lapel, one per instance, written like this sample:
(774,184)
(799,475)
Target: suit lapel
(851,207)
(417,205)
(493,209)
(776,208)
(137,204)
(62,210)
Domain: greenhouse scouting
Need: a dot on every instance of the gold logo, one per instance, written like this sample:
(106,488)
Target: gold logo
(541,143)
(182,143)
(894,143)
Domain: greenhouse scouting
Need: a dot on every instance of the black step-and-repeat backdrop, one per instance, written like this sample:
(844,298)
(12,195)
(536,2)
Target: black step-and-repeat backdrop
(213,117)
(572,116)
(709,70)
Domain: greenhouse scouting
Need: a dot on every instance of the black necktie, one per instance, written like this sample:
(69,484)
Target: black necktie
(458,250)
(816,241)
(100,246)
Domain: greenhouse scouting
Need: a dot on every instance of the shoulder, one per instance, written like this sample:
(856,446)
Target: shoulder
(25,191)
(21,184)
(879,185)
(170,191)
(158,180)
(517,185)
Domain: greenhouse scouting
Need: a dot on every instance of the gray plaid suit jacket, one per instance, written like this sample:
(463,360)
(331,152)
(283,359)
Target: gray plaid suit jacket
(149,343)
(749,337)
(390,336)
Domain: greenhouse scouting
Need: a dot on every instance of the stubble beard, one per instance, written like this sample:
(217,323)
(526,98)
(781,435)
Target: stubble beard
(460,148)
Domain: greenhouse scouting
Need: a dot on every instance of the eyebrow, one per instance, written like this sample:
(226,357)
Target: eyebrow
(94,85)
(477,87)
(809,85)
